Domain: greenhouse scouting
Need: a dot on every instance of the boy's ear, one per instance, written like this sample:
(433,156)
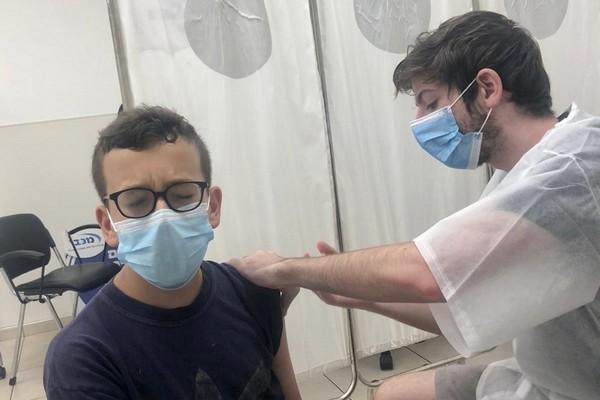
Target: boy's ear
(110,236)
(214,206)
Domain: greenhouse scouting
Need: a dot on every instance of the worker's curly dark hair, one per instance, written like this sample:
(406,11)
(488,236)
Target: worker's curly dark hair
(455,52)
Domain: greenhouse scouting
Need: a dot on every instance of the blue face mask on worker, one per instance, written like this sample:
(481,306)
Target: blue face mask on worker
(439,135)
(166,248)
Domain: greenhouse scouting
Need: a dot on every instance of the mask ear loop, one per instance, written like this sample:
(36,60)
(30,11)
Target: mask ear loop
(463,92)
(476,149)
(485,120)
(207,200)
(111,221)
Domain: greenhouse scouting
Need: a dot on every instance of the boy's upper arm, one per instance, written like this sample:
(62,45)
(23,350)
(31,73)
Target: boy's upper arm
(264,305)
(283,369)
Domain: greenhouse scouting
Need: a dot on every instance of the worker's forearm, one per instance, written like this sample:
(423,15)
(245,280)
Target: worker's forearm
(394,273)
(413,314)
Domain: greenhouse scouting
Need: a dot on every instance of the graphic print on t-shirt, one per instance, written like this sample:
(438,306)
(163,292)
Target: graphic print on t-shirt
(257,386)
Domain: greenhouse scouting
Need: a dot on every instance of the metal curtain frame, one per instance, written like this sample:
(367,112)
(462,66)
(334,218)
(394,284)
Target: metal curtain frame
(116,28)
(316,29)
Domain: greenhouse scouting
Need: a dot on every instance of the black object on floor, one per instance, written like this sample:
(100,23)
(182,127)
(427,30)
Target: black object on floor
(386,362)
(2,369)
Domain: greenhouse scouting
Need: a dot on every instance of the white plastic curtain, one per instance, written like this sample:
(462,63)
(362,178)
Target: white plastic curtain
(245,74)
(259,107)
(567,32)
(389,189)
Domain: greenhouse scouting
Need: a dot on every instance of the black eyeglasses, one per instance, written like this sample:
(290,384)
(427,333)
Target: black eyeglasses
(140,202)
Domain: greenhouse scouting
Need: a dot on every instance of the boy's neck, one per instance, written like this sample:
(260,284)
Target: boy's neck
(138,289)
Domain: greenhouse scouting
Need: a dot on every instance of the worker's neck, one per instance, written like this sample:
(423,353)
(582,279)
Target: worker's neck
(137,288)
(519,133)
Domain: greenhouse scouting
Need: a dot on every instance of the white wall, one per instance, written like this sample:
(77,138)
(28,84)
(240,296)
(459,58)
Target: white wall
(56,60)
(45,170)
(58,87)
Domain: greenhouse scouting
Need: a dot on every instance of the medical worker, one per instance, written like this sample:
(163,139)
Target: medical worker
(522,263)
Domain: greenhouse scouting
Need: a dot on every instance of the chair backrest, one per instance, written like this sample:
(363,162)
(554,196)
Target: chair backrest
(24,232)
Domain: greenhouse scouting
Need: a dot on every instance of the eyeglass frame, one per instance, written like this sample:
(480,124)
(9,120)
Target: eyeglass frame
(204,186)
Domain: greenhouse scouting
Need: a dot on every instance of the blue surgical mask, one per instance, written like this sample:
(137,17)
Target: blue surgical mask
(167,247)
(439,135)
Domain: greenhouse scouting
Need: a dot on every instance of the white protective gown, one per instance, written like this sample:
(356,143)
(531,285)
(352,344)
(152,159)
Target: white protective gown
(523,263)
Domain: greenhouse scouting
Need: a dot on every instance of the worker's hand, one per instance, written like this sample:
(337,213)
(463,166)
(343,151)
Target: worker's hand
(261,268)
(331,298)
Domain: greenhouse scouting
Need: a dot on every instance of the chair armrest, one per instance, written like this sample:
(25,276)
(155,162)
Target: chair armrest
(15,254)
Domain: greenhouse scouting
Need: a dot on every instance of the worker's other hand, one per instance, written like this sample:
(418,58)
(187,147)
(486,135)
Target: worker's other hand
(331,298)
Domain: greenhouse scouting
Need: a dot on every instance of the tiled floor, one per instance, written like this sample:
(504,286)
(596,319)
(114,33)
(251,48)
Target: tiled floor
(405,359)
(29,379)
(326,386)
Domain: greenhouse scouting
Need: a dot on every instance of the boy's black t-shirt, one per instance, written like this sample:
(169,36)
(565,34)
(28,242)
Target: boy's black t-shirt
(219,347)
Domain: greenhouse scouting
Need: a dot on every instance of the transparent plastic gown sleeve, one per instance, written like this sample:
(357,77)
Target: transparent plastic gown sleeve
(529,250)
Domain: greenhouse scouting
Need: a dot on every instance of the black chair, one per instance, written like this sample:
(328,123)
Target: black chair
(25,245)
(100,257)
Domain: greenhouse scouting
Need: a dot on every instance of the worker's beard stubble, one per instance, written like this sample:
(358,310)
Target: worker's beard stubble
(491,137)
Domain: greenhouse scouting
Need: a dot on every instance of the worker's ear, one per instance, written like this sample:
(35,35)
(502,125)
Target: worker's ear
(490,89)
(214,206)
(110,236)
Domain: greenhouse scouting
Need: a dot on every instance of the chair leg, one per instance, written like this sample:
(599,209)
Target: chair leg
(18,345)
(75,305)
(53,311)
